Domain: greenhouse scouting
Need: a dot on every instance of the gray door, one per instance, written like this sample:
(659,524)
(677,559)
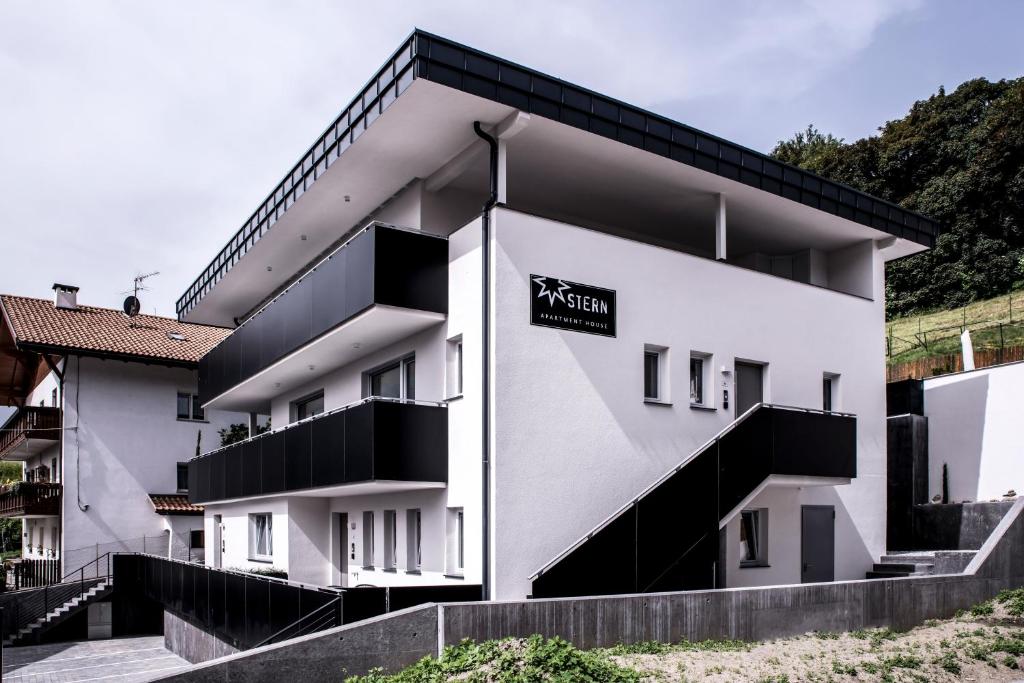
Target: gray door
(817,543)
(749,386)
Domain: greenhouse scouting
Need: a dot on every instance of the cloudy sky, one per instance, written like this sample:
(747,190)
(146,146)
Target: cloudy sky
(138,135)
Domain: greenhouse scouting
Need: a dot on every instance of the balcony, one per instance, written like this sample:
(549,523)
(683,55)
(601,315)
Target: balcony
(382,285)
(376,445)
(29,431)
(30,499)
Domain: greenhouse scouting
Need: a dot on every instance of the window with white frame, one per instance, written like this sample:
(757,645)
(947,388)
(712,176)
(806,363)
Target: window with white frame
(754,538)
(454,362)
(390,539)
(309,406)
(396,379)
(701,391)
(368,540)
(414,540)
(656,374)
(456,541)
(261,537)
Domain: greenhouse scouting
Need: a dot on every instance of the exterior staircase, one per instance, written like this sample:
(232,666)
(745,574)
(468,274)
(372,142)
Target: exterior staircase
(920,563)
(28,633)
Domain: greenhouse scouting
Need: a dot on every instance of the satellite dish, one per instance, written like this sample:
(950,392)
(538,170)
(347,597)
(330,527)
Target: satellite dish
(131,306)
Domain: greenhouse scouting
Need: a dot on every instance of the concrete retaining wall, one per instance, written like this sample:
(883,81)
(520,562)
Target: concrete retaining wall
(191,642)
(396,640)
(393,641)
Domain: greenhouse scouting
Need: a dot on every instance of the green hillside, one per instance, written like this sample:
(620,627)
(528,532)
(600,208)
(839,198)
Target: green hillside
(957,157)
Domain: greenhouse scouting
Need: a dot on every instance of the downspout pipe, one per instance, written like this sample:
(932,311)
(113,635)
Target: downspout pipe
(485,243)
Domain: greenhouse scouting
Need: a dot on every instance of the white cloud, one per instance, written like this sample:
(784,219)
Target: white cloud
(138,136)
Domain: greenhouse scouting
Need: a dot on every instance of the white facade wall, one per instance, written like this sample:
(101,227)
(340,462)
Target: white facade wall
(974,429)
(573,438)
(122,441)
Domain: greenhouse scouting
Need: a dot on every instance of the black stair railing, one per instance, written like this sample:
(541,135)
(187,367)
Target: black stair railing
(670,531)
(34,603)
(322,618)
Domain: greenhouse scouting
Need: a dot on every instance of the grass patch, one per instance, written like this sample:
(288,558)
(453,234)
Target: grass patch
(530,660)
(949,662)
(1013,601)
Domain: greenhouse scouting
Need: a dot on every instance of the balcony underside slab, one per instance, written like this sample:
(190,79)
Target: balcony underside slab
(375,328)
(367,488)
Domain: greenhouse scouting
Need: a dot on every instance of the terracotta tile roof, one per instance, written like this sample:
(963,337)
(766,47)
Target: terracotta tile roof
(174,504)
(37,323)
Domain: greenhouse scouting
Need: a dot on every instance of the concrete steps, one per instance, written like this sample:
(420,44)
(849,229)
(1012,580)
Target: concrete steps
(58,614)
(897,565)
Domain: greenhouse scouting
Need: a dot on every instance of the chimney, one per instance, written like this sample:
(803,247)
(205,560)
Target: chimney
(65,296)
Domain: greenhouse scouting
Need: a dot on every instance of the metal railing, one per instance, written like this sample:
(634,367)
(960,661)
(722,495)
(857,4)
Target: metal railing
(320,619)
(30,422)
(28,606)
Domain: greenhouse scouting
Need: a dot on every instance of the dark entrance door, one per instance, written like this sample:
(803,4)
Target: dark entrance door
(749,386)
(817,543)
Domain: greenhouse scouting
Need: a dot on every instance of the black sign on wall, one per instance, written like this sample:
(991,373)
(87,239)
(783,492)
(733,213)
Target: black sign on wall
(571,306)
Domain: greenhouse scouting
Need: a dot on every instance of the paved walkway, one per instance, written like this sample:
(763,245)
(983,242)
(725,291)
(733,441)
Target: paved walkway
(120,659)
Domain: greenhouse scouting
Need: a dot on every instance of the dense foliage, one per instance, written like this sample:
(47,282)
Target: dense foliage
(958,158)
(10,527)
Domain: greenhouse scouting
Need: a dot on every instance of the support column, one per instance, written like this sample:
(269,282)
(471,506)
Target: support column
(253,424)
(720,253)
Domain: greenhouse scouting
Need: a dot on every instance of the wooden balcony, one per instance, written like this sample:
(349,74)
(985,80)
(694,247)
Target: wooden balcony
(30,499)
(29,431)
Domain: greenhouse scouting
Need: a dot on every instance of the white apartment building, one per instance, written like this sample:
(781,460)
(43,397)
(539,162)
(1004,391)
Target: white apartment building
(107,417)
(513,332)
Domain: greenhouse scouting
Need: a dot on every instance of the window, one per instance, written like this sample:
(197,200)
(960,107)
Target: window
(261,537)
(196,539)
(184,406)
(53,467)
(394,380)
(189,407)
(414,539)
(655,374)
(368,540)
(651,374)
(390,539)
(829,392)
(460,526)
(456,542)
(700,379)
(454,378)
(754,538)
(309,406)
(182,476)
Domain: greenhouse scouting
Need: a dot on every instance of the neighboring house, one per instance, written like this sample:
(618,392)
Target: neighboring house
(107,417)
(522,395)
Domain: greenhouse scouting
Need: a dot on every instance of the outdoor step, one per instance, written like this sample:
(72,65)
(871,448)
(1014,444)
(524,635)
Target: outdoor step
(896,567)
(887,575)
(917,556)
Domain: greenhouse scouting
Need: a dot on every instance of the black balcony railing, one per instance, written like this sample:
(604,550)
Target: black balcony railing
(382,265)
(30,422)
(667,537)
(374,440)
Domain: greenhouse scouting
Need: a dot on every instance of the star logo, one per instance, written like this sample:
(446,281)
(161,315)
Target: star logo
(552,293)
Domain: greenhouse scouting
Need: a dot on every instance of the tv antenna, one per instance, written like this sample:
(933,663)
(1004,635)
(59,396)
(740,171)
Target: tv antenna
(132,305)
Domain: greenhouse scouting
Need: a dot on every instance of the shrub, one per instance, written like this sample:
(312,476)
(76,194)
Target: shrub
(533,659)
(949,662)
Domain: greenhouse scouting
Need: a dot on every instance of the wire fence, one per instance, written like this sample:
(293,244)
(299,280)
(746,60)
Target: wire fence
(995,325)
(184,545)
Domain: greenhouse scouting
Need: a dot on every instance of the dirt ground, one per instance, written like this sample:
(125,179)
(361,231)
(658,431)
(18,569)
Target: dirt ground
(972,647)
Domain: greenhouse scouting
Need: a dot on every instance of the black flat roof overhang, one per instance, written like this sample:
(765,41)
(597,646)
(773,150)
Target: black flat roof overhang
(433,58)
(457,66)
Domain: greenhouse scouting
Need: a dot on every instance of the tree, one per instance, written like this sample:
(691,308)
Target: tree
(10,528)
(958,158)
